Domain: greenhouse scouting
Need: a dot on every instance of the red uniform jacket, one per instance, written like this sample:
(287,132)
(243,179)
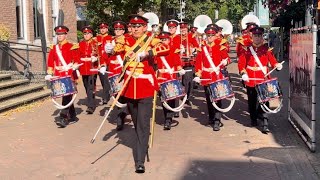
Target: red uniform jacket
(143,82)
(217,53)
(69,53)
(188,42)
(242,43)
(164,74)
(247,63)
(88,49)
(113,63)
(102,41)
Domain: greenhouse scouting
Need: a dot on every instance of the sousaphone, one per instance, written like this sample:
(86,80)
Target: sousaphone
(152,19)
(248,19)
(226,26)
(201,22)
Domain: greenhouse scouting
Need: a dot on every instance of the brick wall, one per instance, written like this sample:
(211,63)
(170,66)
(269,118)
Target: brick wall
(8,17)
(70,19)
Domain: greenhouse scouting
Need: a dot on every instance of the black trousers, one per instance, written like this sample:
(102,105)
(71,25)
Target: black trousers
(254,106)
(141,112)
(105,86)
(69,111)
(89,82)
(187,80)
(122,112)
(214,114)
(167,113)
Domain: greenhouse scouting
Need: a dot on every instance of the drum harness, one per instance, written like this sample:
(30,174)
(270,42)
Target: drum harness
(216,69)
(263,105)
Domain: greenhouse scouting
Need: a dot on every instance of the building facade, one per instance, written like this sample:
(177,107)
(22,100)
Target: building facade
(23,19)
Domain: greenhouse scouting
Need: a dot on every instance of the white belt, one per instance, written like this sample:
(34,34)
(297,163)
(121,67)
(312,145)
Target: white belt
(85,59)
(114,62)
(165,70)
(142,76)
(207,69)
(257,68)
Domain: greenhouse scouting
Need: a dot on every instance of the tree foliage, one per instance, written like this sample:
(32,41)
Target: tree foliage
(110,10)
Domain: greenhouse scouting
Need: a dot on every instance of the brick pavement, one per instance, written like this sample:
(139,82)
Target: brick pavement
(32,147)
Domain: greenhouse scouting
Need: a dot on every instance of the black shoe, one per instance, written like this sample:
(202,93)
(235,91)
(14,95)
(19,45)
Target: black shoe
(216,126)
(254,123)
(62,122)
(211,121)
(120,124)
(73,119)
(90,110)
(265,129)
(140,169)
(167,124)
(188,102)
(104,101)
(176,115)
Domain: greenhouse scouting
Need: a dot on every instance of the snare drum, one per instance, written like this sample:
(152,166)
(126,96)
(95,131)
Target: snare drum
(62,86)
(172,89)
(268,90)
(115,87)
(220,89)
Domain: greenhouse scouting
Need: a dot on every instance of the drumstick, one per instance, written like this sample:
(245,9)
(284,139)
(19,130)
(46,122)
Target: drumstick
(188,70)
(98,70)
(256,79)
(272,70)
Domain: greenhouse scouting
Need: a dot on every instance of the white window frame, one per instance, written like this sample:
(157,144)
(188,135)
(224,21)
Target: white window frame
(24,26)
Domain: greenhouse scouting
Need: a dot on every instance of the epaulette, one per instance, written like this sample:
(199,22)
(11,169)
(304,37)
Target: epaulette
(51,46)
(270,49)
(75,46)
(222,48)
(241,41)
(223,41)
(120,40)
(155,41)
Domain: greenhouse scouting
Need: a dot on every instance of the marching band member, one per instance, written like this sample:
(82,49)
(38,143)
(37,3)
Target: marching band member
(140,89)
(187,42)
(115,64)
(102,39)
(129,33)
(207,67)
(246,39)
(89,57)
(251,67)
(60,55)
(166,66)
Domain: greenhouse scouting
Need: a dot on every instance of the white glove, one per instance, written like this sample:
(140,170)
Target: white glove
(103,70)
(279,66)
(48,77)
(109,48)
(182,72)
(141,55)
(75,67)
(182,49)
(196,79)
(94,59)
(245,77)
(224,62)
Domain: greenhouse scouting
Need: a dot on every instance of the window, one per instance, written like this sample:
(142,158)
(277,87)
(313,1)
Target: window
(20,20)
(54,13)
(37,6)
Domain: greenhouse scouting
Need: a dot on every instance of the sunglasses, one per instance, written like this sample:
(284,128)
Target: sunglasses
(172,27)
(118,29)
